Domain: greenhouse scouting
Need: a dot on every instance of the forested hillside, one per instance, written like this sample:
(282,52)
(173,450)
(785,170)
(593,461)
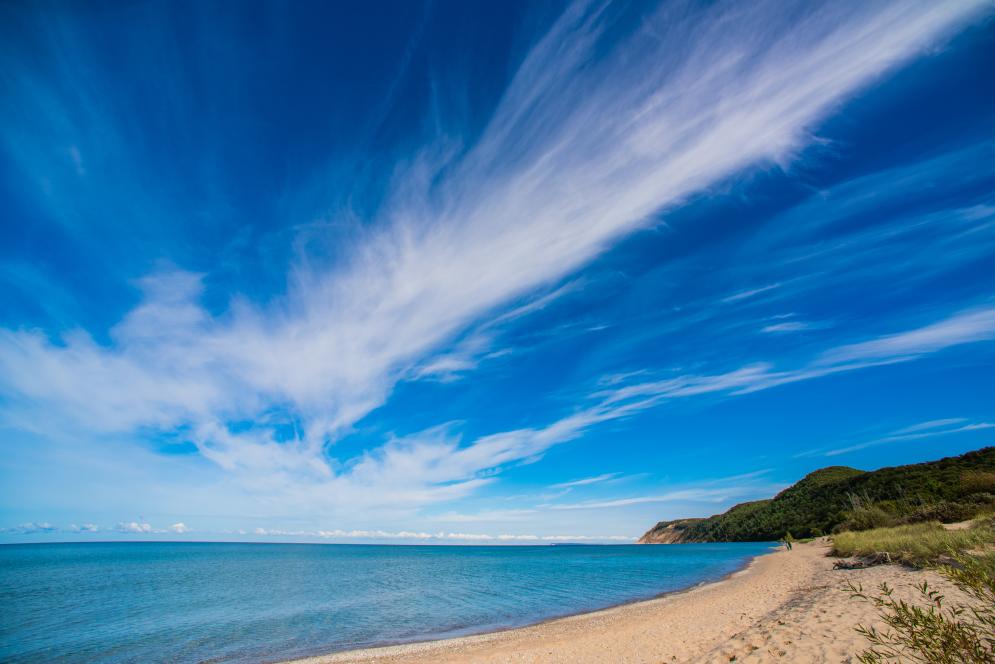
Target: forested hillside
(841,498)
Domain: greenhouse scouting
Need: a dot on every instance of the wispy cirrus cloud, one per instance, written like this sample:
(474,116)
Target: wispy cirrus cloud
(930,216)
(628,398)
(585,481)
(790,326)
(916,432)
(738,487)
(489,515)
(689,495)
(966,327)
(580,151)
(747,294)
(931,424)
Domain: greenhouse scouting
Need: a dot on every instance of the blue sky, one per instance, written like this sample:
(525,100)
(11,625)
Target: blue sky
(454,273)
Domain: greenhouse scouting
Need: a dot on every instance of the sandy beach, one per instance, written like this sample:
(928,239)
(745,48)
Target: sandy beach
(785,606)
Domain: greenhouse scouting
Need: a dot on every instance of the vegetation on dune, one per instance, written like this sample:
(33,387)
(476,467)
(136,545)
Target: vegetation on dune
(933,630)
(917,545)
(841,498)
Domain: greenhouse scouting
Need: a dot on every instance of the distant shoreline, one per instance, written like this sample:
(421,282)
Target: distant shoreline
(793,600)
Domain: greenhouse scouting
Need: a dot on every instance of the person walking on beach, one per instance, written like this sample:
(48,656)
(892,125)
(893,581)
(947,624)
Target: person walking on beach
(788,539)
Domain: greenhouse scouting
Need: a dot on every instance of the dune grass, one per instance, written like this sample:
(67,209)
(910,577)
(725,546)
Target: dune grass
(918,544)
(934,630)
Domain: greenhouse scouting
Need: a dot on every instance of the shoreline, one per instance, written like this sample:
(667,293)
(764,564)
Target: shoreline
(795,595)
(373,652)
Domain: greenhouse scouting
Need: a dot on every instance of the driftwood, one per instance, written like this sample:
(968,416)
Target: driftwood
(863,562)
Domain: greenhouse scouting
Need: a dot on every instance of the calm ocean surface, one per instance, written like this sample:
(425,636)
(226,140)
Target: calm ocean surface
(191,602)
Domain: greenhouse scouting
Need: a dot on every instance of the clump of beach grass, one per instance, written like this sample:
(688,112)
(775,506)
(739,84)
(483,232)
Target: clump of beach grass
(917,544)
(935,631)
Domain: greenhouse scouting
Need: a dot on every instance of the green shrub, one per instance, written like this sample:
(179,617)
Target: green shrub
(984,503)
(866,518)
(977,481)
(942,511)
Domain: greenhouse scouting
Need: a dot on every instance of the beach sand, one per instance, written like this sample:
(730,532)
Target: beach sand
(787,606)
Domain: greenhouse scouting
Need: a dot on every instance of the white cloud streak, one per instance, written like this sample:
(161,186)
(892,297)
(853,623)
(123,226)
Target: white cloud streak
(737,487)
(924,430)
(744,295)
(485,516)
(586,481)
(932,424)
(790,326)
(971,326)
(689,495)
(967,327)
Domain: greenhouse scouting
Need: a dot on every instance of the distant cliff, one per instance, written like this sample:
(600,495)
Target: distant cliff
(839,497)
(668,532)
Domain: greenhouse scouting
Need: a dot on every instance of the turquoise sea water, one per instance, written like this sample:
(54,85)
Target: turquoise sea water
(196,602)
